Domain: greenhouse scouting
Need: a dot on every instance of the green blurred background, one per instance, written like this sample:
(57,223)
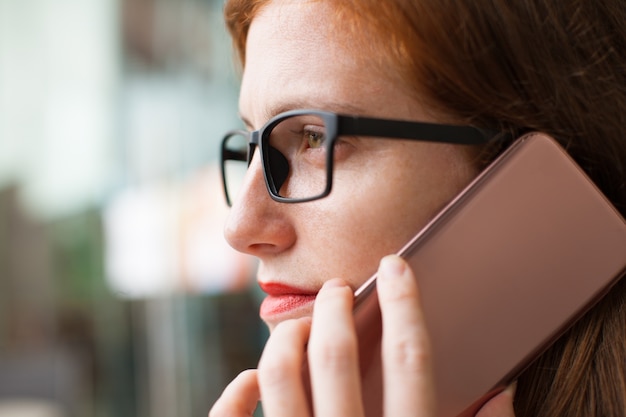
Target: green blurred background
(118,294)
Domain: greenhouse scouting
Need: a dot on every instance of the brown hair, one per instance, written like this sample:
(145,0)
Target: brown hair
(555,66)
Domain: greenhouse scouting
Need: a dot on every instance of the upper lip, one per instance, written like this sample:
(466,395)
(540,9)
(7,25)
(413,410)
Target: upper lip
(276,289)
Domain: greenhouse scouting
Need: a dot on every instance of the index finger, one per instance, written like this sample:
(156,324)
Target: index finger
(407,363)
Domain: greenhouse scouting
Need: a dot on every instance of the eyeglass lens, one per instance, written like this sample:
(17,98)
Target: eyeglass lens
(234,163)
(295,158)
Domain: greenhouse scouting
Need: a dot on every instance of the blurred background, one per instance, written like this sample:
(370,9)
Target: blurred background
(118,294)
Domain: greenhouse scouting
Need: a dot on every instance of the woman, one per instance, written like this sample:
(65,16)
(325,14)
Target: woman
(504,65)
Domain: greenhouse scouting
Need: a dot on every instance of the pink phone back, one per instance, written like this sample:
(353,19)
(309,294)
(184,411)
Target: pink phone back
(526,249)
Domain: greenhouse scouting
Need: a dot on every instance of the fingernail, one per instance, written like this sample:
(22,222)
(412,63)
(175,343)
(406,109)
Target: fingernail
(392,266)
(511,389)
(334,283)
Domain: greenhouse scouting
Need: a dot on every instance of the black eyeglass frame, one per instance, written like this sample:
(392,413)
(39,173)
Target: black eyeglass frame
(339,125)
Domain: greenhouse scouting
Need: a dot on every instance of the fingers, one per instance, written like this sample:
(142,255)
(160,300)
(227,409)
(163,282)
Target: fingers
(333,358)
(280,370)
(332,354)
(240,397)
(501,405)
(407,367)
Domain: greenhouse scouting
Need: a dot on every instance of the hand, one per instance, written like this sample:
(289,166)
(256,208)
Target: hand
(332,356)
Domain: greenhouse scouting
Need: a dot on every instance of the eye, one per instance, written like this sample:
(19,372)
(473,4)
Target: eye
(315,138)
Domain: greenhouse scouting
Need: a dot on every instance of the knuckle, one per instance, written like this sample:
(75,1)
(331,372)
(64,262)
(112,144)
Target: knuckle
(335,353)
(275,371)
(408,355)
(400,294)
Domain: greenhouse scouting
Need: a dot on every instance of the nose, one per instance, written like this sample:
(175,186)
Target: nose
(256,224)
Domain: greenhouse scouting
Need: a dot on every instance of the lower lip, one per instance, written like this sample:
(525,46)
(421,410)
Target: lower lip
(285,305)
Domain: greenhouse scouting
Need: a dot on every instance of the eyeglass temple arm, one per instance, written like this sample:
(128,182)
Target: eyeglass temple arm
(400,129)
(240,154)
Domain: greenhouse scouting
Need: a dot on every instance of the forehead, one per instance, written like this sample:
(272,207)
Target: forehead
(304,17)
(295,58)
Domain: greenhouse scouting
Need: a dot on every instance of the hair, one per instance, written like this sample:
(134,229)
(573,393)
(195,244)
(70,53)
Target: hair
(555,66)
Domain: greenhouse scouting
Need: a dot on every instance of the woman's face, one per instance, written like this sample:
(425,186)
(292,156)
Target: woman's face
(295,60)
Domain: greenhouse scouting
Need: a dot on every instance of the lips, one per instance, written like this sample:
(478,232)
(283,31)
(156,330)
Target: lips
(283,301)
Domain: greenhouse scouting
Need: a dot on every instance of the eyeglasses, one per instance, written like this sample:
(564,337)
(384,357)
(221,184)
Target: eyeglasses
(297,149)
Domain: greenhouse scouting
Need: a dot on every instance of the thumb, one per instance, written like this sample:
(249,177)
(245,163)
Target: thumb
(501,405)
(240,397)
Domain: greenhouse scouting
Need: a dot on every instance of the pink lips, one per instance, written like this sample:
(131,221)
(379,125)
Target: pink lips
(283,300)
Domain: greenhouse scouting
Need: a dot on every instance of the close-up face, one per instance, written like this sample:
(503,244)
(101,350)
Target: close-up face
(383,190)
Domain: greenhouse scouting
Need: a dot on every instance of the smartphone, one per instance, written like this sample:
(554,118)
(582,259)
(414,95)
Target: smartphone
(503,270)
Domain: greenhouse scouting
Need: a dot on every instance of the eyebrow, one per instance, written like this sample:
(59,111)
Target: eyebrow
(332,106)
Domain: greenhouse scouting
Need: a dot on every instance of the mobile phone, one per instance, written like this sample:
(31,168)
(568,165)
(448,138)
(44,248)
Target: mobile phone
(503,270)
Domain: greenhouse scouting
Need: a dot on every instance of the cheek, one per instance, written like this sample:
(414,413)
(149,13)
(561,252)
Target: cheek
(371,214)
(400,195)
